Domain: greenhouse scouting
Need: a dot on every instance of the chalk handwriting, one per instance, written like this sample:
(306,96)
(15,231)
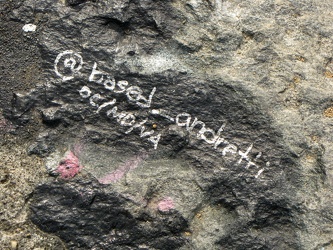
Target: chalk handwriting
(124,119)
(220,144)
(134,93)
(68,64)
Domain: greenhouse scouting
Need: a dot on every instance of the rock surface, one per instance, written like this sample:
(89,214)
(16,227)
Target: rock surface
(172,124)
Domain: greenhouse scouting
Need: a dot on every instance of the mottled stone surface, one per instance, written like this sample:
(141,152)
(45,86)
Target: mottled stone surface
(173,124)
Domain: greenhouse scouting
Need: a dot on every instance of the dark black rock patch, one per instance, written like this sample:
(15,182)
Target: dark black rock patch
(86,216)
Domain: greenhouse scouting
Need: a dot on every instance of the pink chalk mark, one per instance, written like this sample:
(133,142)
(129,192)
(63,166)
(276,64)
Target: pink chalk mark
(166,205)
(69,167)
(120,172)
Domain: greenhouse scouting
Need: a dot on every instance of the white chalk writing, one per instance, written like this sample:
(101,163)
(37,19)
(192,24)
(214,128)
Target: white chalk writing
(67,64)
(208,135)
(72,64)
(125,119)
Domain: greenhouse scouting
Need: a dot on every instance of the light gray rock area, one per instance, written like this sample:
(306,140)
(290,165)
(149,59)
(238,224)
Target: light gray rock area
(166,124)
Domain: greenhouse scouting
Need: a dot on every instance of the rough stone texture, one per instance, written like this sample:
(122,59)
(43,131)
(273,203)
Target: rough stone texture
(174,124)
(99,219)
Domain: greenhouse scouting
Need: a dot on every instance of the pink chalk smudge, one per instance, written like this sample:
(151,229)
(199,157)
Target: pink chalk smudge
(166,205)
(120,172)
(69,167)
